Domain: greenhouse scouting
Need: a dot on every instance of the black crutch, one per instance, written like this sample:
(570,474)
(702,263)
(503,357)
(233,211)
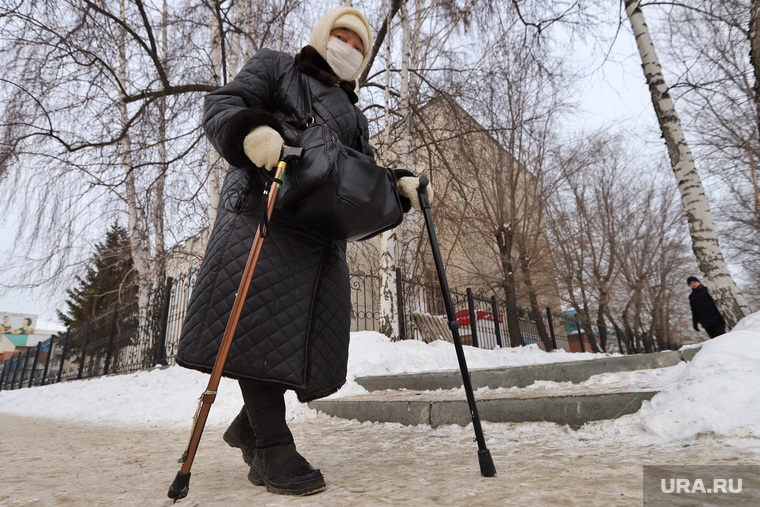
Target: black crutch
(487,468)
(181,485)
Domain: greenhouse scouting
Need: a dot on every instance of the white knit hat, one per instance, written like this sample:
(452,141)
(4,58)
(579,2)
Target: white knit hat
(341,17)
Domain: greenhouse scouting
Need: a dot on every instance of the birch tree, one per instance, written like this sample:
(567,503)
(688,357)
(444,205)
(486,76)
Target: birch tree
(753,34)
(729,299)
(717,86)
(138,240)
(216,166)
(85,104)
(389,296)
(427,25)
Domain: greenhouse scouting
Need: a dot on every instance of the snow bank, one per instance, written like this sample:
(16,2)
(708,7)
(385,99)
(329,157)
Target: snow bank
(717,393)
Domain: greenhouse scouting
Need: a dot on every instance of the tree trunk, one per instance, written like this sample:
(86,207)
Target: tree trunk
(754,55)
(505,241)
(533,297)
(389,318)
(729,300)
(215,163)
(406,155)
(235,47)
(630,337)
(138,242)
(601,325)
(159,259)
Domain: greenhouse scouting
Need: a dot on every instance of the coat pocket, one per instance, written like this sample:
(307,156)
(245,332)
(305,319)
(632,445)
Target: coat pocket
(240,191)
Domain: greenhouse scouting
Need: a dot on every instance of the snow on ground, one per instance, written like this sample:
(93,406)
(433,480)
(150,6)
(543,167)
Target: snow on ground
(716,394)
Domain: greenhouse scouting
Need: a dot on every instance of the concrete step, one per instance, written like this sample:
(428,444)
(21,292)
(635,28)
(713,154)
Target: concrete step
(564,406)
(521,376)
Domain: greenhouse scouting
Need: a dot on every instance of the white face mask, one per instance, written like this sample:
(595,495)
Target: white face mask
(343,59)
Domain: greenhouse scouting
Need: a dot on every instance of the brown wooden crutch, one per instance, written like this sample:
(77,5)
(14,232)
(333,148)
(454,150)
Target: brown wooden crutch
(181,484)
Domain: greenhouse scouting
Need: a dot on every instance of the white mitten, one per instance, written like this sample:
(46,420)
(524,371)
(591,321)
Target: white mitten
(407,187)
(263,146)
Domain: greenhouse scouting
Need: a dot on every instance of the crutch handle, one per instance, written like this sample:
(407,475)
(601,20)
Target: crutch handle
(422,192)
(290,152)
(287,154)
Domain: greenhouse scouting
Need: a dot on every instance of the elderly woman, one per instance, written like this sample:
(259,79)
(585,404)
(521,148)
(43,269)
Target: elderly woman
(294,329)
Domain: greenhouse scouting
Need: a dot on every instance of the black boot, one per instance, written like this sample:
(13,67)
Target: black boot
(276,462)
(241,435)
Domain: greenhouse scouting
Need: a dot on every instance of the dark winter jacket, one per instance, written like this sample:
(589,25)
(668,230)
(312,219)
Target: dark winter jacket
(294,327)
(703,309)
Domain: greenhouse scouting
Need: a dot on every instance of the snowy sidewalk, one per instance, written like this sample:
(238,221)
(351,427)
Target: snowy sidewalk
(50,463)
(114,440)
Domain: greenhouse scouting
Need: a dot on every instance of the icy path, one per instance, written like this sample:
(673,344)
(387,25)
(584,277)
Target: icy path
(50,463)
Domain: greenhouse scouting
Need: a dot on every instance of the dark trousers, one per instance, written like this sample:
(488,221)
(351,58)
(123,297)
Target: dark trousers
(265,407)
(716,330)
(258,395)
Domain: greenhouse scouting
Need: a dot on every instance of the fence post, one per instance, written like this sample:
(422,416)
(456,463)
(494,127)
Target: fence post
(400,303)
(16,360)
(23,368)
(17,367)
(160,356)
(473,324)
(34,364)
(46,370)
(551,327)
(4,374)
(63,355)
(497,328)
(110,341)
(83,354)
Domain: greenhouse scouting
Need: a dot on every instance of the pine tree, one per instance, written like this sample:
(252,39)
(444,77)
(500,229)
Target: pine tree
(110,281)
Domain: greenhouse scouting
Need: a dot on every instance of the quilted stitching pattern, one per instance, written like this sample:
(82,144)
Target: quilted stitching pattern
(294,326)
(328,357)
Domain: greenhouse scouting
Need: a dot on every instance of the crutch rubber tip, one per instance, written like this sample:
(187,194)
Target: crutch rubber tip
(180,487)
(486,463)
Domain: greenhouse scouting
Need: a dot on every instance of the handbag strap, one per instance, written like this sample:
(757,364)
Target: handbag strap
(311,119)
(306,90)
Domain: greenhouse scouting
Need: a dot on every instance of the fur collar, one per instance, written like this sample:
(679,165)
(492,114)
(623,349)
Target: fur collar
(311,63)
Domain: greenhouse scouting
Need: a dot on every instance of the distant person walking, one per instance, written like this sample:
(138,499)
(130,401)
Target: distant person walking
(703,309)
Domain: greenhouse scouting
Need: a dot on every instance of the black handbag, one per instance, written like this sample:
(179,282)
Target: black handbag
(338,191)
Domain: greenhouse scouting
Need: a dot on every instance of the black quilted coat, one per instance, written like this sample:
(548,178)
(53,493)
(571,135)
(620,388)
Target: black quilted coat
(294,327)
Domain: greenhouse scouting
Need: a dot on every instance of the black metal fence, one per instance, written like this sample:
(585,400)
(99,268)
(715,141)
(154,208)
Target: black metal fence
(484,321)
(123,340)
(488,322)
(119,341)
